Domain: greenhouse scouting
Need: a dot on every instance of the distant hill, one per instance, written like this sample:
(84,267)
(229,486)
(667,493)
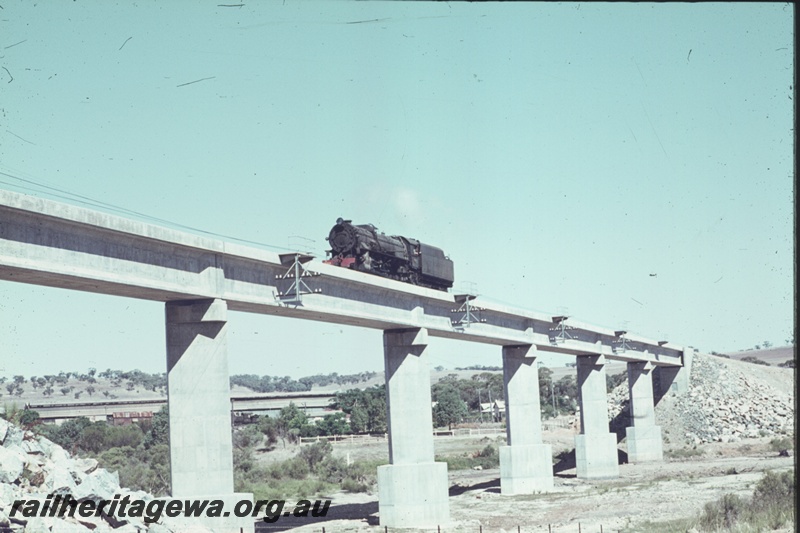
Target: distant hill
(79,388)
(773,356)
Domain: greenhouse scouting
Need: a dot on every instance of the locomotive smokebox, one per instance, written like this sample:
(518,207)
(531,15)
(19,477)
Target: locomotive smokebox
(342,238)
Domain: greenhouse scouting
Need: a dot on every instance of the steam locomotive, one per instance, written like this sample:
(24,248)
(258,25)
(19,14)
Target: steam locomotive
(362,248)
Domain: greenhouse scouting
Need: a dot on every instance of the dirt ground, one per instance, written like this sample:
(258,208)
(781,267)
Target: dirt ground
(656,492)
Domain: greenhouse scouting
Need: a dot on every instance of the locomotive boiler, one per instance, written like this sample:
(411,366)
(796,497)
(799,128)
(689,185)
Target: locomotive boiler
(361,247)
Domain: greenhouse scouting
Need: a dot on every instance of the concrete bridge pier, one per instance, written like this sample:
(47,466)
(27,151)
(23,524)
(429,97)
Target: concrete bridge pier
(595,447)
(526,464)
(675,379)
(413,489)
(644,436)
(198,393)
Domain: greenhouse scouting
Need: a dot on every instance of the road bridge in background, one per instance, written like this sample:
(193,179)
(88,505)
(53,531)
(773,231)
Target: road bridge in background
(53,244)
(312,403)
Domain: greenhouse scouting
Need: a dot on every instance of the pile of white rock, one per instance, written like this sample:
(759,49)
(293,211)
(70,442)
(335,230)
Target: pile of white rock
(33,468)
(723,404)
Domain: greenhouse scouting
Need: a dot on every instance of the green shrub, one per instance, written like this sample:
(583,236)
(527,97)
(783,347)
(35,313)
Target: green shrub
(139,468)
(295,468)
(723,513)
(289,488)
(28,418)
(351,485)
(770,507)
(488,457)
(774,490)
(100,436)
(754,360)
(316,453)
(782,445)
(67,434)
(684,453)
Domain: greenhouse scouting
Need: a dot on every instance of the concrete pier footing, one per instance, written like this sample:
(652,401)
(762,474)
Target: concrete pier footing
(526,464)
(596,456)
(413,489)
(201,450)
(644,444)
(413,495)
(595,447)
(526,469)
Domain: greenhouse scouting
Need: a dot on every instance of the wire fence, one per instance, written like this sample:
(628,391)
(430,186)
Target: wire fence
(577,527)
(547,425)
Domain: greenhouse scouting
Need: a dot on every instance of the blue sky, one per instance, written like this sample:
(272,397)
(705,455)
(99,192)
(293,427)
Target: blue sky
(559,153)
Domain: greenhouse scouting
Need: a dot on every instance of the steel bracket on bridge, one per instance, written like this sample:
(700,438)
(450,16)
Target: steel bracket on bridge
(561,327)
(293,294)
(622,343)
(469,313)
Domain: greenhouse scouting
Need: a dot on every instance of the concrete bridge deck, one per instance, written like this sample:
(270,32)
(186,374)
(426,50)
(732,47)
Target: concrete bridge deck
(54,244)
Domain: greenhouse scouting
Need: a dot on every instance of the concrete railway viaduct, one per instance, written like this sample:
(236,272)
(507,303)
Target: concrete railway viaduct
(53,244)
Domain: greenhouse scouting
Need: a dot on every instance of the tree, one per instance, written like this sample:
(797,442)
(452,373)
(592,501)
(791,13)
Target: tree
(269,428)
(67,434)
(292,423)
(376,410)
(449,409)
(613,381)
(367,408)
(545,380)
(293,416)
(28,418)
(566,391)
(159,430)
(333,424)
(359,419)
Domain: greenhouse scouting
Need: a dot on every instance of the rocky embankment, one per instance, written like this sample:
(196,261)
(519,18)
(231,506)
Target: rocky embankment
(726,402)
(32,467)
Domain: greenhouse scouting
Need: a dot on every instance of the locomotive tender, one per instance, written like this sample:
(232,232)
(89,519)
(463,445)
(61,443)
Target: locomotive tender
(362,248)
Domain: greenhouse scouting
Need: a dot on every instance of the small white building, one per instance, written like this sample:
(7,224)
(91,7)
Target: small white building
(499,410)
